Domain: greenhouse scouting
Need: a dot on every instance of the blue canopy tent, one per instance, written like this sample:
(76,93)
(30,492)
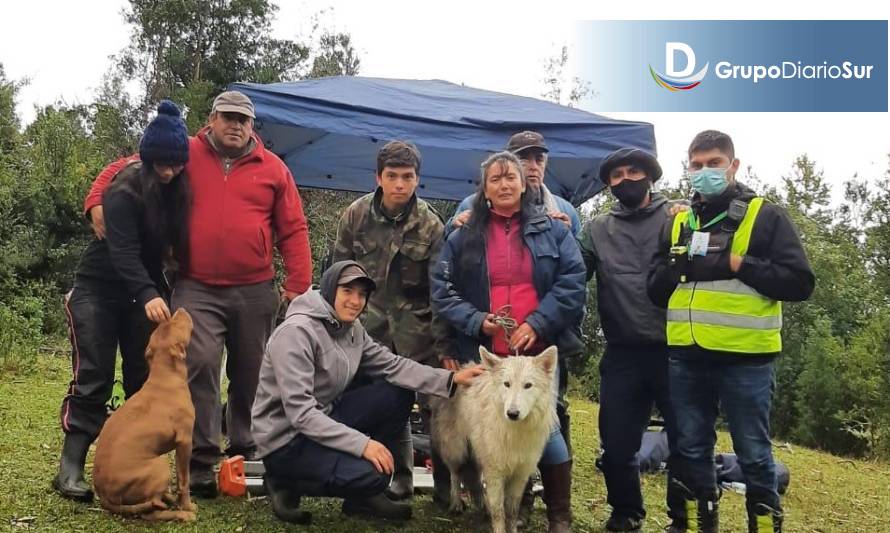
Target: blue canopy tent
(328,132)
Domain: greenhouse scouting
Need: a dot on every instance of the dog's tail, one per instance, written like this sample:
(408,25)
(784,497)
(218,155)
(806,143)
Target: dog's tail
(132,509)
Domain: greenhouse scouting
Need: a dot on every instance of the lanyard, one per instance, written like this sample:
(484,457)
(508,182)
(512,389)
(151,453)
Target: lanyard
(693,222)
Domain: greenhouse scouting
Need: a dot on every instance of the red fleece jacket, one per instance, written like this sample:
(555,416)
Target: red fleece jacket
(510,271)
(234,217)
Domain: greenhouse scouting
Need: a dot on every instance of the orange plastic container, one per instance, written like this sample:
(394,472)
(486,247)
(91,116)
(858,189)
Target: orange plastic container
(232,481)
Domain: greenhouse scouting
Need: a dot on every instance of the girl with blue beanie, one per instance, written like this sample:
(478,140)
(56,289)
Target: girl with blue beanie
(121,287)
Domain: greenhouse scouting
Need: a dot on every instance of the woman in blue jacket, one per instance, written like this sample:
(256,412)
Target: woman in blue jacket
(510,260)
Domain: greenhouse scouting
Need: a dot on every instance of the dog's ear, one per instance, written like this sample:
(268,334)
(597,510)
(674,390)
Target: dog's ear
(178,351)
(547,360)
(489,359)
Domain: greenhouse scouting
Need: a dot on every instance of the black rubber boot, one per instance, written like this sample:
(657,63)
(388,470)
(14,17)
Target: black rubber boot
(627,524)
(69,482)
(678,495)
(285,503)
(705,510)
(709,513)
(402,485)
(379,506)
(764,519)
(202,480)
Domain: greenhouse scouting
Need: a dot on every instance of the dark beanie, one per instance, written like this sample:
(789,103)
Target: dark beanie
(165,139)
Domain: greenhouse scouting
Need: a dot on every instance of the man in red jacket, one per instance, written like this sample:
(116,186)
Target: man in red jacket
(244,199)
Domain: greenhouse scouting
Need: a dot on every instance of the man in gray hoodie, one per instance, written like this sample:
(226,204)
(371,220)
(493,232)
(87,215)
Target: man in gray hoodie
(618,247)
(315,434)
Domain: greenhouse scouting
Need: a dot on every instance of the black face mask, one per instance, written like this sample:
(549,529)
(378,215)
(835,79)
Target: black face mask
(632,193)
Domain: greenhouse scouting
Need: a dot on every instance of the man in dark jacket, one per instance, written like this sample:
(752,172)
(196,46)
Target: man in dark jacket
(722,270)
(618,247)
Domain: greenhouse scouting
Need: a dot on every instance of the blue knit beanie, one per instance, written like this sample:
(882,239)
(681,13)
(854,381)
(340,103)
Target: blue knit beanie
(165,139)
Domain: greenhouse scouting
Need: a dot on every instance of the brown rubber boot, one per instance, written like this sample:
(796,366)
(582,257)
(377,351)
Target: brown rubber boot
(557,480)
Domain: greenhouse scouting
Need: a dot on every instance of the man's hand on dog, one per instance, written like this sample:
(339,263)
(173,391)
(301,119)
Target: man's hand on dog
(157,311)
(379,456)
(465,376)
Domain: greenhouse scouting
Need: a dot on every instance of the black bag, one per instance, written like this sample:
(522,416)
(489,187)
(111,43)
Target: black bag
(729,470)
(654,451)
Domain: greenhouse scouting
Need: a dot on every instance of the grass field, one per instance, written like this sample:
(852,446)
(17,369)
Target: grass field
(827,494)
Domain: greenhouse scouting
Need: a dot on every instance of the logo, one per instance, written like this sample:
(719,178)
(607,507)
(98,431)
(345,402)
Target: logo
(678,80)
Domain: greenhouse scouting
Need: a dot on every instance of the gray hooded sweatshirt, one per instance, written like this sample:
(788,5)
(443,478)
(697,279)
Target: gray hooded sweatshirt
(309,361)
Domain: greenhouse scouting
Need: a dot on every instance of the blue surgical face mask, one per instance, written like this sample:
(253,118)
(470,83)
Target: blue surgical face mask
(709,182)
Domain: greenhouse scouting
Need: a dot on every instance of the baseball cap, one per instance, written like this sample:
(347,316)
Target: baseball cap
(525,140)
(355,272)
(233,102)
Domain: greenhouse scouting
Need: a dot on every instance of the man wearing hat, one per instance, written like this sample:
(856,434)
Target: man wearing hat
(244,201)
(530,148)
(618,247)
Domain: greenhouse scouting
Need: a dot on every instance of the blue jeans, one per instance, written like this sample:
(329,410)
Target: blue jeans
(555,451)
(699,382)
(311,469)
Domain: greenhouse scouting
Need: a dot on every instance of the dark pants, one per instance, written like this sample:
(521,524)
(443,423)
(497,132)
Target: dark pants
(632,380)
(239,318)
(101,318)
(744,391)
(379,410)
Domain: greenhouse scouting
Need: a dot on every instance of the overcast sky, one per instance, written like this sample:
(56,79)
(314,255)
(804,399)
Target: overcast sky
(63,49)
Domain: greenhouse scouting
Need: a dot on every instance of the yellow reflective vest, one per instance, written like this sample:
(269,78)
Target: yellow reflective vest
(724,315)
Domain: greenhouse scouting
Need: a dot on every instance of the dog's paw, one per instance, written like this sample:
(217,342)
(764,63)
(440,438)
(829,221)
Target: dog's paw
(186,516)
(189,506)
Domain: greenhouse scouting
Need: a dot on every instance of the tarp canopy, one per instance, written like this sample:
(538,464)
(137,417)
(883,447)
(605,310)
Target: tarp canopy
(329,130)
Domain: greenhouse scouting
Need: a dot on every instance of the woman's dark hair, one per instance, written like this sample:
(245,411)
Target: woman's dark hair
(165,215)
(480,212)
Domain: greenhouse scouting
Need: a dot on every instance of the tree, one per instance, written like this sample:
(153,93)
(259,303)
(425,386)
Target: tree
(558,86)
(190,50)
(807,189)
(335,56)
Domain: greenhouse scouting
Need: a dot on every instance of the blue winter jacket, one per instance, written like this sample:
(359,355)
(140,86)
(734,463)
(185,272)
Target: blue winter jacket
(460,292)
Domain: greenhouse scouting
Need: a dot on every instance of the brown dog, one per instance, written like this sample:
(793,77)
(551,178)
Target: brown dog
(131,475)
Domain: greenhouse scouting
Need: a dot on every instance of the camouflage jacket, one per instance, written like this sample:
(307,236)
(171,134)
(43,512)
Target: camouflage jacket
(398,254)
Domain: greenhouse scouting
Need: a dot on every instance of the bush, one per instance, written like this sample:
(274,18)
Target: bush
(21,321)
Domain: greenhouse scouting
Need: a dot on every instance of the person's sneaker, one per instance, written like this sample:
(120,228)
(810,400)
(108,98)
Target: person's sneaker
(379,506)
(286,504)
(202,480)
(624,524)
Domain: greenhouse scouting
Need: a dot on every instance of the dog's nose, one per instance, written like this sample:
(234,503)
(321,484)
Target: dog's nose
(513,414)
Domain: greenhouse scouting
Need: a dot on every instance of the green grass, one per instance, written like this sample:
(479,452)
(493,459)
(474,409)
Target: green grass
(827,493)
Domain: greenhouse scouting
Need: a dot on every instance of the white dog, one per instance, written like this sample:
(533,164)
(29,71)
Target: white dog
(499,426)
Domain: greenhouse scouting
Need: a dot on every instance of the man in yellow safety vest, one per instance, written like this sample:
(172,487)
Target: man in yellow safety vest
(722,271)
